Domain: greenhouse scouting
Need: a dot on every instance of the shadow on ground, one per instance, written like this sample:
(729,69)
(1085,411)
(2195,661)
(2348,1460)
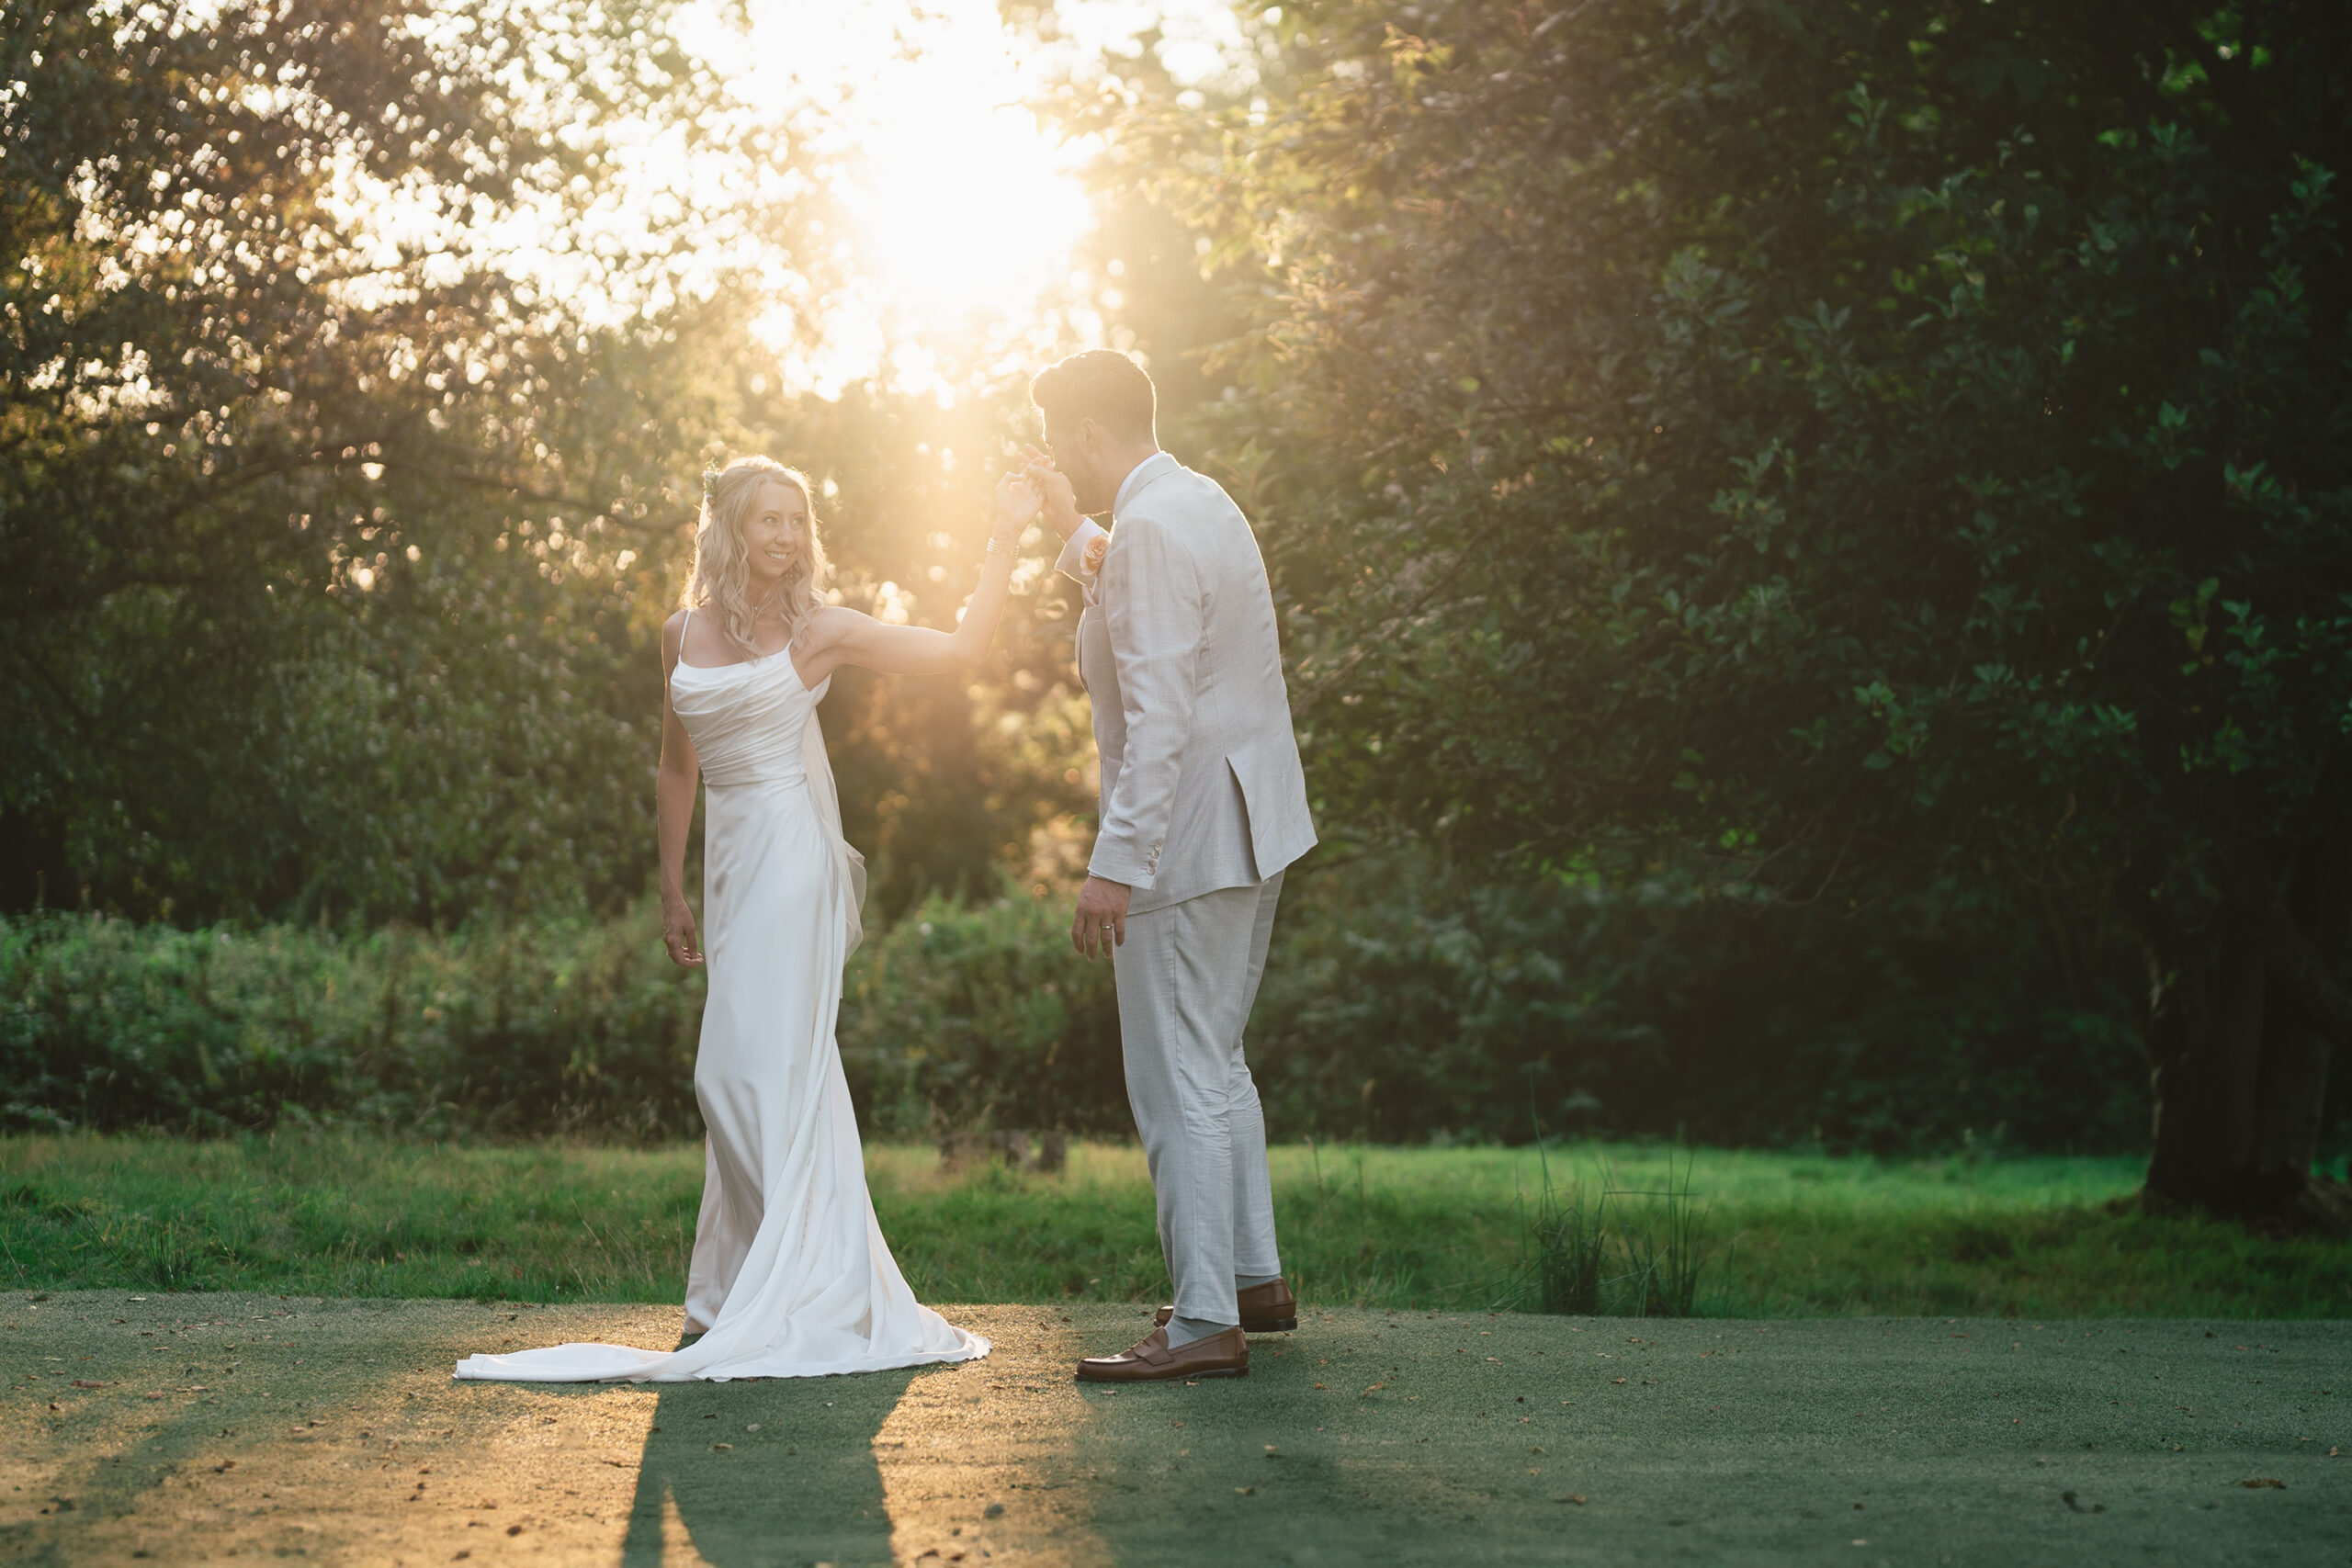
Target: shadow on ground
(817,1496)
(198,1428)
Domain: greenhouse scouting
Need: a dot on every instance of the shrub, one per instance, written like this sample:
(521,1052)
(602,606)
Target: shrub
(1398,1005)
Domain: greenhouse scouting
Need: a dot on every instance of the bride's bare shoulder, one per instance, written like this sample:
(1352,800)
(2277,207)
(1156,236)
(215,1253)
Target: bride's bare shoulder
(674,632)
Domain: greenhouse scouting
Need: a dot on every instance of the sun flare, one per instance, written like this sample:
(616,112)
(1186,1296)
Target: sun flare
(966,207)
(961,211)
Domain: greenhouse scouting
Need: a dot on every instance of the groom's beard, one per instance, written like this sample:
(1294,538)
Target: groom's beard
(1092,496)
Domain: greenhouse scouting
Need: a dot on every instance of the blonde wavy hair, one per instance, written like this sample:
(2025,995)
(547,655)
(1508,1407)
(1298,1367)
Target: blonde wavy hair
(720,581)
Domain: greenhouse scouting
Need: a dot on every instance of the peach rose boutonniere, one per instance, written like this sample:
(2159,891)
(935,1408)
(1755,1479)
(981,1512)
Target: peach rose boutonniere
(1096,548)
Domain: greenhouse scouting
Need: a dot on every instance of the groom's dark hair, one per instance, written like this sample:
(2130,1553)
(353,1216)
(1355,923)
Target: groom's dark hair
(1103,385)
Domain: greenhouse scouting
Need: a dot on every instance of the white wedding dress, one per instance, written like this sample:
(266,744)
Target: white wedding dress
(790,1276)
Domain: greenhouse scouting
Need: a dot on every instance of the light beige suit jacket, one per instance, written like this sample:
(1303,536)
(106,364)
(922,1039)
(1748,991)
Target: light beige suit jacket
(1181,660)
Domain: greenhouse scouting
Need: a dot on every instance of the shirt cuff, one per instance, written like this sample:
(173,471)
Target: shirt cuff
(1080,560)
(1130,878)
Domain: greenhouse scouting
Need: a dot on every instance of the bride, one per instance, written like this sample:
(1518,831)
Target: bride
(790,1276)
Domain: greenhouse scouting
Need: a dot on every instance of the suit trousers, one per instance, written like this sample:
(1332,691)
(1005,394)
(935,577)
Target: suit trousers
(1187,976)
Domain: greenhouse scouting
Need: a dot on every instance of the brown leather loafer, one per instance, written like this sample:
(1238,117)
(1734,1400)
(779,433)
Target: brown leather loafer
(1269,1308)
(1224,1354)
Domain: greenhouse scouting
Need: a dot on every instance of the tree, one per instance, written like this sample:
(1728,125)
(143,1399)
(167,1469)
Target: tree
(1854,448)
(291,440)
(357,364)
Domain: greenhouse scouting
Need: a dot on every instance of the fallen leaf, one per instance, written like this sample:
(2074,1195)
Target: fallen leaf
(1576,1497)
(1616,1380)
(1246,1491)
(2259,1482)
(721,1447)
(86,1382)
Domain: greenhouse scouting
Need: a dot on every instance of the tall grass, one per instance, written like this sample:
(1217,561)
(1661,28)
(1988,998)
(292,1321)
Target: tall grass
(1641,1252)
(1571,1241)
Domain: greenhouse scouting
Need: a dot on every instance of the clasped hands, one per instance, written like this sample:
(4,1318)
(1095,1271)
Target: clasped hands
(1058,500)
(1035,488)
(1019,499)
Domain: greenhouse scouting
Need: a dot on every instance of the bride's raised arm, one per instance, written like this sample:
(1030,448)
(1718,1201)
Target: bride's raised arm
(841,635)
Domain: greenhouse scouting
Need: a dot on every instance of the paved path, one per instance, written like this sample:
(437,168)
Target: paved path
(202,1428)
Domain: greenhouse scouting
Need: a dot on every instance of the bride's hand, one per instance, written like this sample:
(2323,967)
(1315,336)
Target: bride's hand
(1018,502)
(678,935)
(1061,511)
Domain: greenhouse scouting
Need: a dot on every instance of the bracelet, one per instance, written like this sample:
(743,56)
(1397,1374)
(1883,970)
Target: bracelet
(1013,545)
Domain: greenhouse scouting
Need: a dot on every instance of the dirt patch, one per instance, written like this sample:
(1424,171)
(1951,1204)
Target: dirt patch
(180,1428)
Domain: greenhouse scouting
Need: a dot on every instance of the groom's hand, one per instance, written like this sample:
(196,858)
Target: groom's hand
(1061,511)
(1099,923)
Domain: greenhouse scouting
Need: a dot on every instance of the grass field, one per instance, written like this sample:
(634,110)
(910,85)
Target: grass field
(1779,1235)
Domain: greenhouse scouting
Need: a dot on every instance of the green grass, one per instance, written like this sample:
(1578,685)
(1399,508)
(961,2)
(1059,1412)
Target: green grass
(1780,1234)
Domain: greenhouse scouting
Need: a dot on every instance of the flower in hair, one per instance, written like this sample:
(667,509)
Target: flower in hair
(709,482)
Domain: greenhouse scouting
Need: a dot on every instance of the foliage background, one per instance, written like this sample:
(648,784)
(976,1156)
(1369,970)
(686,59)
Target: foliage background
(1800,530)
(1387,1014)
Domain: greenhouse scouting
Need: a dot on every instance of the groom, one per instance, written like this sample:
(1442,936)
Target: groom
(1203,805)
